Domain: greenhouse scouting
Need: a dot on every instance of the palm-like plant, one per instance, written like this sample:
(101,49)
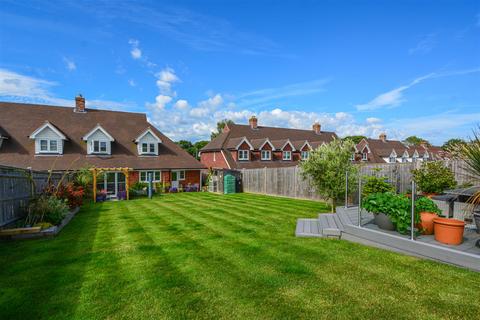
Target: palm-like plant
(471,156)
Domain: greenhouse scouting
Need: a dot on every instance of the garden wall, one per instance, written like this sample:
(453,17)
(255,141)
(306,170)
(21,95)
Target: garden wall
(17,187)
(288,181)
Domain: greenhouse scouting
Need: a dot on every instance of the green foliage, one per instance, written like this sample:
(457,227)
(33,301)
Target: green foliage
(416,141)
(373,184)
(220,126)
(471,155)
(434,177)
(326,168)
(397,207)
(84,177)
(138,186)
(192,148)
(355,139)
(46,209)
(453,144)
(424,204)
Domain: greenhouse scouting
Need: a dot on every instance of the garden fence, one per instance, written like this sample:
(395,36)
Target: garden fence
(288,181)
(17,188)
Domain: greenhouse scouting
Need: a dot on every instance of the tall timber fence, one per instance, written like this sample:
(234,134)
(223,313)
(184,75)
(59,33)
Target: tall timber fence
(288,181)
(18,187)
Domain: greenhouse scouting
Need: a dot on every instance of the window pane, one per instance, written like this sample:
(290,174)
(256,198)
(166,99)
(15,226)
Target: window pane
(152,148)
(53,145)
(181,175)
(43,145)
(143,176)
(103,146)
(157,176)
(95,146)
(144,147)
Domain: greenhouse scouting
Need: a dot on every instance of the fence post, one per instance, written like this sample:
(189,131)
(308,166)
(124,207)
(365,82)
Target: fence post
(359,201)
(265,180)
(346,189)
(412,223)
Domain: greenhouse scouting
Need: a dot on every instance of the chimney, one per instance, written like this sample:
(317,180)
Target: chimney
(317,127)
(253,122)
(383,137)
(79,104)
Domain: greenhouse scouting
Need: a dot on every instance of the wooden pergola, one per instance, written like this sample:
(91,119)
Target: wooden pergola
(96,171)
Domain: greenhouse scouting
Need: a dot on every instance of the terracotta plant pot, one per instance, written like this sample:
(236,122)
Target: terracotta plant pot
(430,195)
(448,231)
(426,223)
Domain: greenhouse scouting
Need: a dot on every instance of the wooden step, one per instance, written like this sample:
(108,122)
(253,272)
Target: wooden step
(308,228)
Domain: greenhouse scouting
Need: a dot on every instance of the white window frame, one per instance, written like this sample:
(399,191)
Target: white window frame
(243,155)
(392,158)
(151,148)
(49,148)
(284,157)
(364,156)
(180,174)
(145,175)
(304,155)
(414,158)
(92,146)
(352,156)
(266,155)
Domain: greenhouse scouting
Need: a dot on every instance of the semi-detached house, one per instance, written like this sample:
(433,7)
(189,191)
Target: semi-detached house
(44,137)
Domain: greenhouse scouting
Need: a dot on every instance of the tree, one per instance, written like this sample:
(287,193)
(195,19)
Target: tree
(220,126)
(326,168)
(192,148)
(199,145)
(187,146)
(416,141)
(355,139)
(453,144)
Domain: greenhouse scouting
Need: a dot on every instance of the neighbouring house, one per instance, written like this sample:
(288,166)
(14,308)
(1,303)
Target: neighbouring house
(254,146)
(382,150)
(44,137)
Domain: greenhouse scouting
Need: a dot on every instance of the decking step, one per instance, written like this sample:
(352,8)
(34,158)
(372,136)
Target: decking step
(331,232)
(308,228)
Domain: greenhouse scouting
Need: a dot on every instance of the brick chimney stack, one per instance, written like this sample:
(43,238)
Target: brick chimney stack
(383,137)
(253,122)
(79,104)
(317,128)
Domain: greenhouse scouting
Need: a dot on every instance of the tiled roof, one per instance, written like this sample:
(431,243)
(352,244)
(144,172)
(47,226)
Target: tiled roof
(20,120)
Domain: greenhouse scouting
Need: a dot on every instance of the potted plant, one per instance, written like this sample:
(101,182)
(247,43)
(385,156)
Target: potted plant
(433,178)
(102,195)
(374,184)
(379,205)
(428,210)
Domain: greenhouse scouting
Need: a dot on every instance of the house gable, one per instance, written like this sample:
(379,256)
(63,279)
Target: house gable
(48,139)
(99,141)
(147,143)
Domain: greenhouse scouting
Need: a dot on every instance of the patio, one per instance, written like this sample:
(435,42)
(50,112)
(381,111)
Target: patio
(344,225)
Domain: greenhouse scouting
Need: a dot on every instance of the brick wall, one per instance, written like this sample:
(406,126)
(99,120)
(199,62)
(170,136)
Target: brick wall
(213,159)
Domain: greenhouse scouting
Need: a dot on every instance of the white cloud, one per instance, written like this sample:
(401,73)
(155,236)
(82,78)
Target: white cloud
(160,102)
(135,51)
(181,104)
(424,45)
(206,107)
(373,120)
(392,98)
(165,79)
(20,88)
(132,83)
(69,64)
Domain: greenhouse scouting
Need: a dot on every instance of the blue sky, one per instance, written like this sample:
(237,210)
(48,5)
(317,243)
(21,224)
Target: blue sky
(358,67)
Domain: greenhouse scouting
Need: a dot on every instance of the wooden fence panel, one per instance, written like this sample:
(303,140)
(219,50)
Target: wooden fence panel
(17,188)
(288,181)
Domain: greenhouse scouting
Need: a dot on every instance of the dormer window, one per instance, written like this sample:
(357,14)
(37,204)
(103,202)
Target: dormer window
(287,155)
(48,139)
(426,156)
(352,156)
(99,146)
(304,155)
(364,156)
(99,141)
(147,143)
(266,155)
(393,159)
(243,155)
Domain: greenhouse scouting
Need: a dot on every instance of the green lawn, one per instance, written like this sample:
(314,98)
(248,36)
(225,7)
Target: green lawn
(200,255)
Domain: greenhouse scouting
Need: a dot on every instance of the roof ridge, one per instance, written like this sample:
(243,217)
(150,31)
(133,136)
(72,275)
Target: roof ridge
(283,128)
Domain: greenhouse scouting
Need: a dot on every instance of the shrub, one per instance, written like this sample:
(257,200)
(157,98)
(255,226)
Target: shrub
(397,207)
(434,177)
(375,184)
(72,194)
(425,204)
(47,208)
